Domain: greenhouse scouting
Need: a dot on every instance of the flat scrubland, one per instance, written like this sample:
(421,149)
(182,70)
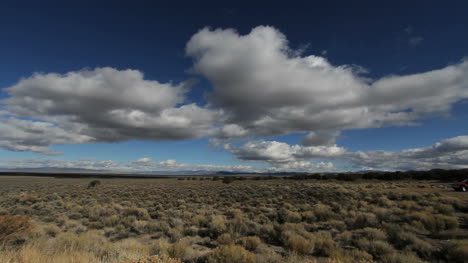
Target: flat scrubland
(169,220)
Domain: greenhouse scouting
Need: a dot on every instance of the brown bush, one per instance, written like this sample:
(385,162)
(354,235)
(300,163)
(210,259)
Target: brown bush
(250,243)
(13,229)
(231,254)
(352,256)
(457,252)
(401,258)
(179,250)
(94,184)
(154,259)
(297,243)
(324,244)
(377,248)
(323,212)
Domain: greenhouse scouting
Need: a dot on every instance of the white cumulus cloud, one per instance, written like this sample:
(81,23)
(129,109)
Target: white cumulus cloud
(265,88)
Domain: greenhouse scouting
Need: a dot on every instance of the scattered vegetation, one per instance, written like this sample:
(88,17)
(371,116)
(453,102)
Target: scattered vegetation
(270,220)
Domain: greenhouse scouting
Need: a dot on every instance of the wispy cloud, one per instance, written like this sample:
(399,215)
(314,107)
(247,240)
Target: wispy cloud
(141,165)
(411,37)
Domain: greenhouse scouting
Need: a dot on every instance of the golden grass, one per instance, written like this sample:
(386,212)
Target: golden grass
(13,228)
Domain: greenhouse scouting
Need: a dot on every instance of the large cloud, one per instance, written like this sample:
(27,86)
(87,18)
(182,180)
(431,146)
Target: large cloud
(266,88)
(103,105)
(283,156)
(320,138)
(35,136)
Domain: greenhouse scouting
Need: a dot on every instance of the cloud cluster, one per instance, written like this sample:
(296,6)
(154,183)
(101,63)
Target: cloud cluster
(261,87)
(450,153)
(266,88)
(35,136)
(100,105)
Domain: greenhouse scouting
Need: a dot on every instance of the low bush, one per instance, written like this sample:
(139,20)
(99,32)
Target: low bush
(250,243)
(179,250)
(94,184)
(14,229)
(228,179)
(457,251)
(231,254)
(352,256)
(225,239)
(154,259)
(401,258)
(324,244)
(298,244)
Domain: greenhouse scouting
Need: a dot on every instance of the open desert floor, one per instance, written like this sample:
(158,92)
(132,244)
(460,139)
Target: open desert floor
(169,220)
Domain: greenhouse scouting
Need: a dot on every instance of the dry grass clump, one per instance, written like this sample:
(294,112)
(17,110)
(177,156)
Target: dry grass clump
(401,258)
(352,256)
(231,254)
(457,251)
(34,255)
(433,223)
(250,243)
(324,244)
(14,229)
(225,239)
(179,250)
(154,259)
(297,243)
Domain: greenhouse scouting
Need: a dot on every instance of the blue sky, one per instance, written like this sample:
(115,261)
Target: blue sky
(377,52)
